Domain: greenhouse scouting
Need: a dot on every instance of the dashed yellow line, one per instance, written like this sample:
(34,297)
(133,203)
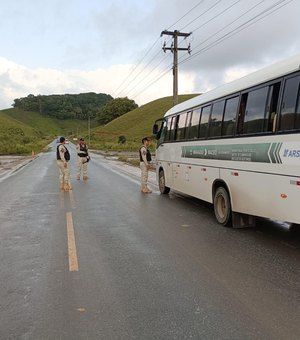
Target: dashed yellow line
(73,261)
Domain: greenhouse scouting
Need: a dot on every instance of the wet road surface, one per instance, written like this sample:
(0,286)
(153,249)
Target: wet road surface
(105,261)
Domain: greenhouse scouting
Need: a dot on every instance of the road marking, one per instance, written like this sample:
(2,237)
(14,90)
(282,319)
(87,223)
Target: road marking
(73,261)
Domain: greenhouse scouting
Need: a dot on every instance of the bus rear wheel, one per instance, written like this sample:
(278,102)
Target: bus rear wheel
(162,183)
(222,206)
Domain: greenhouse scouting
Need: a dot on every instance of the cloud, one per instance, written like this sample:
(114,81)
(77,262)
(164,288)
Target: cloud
(18,81)
(68,47)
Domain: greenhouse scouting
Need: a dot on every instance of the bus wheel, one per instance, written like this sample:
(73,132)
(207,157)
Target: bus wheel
(222,206)
(162,183)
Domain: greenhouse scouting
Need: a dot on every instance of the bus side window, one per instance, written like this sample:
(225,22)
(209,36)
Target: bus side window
(188,124)
(163,132)
(203,128)
(241,116)
(255,110)
(290,110)
(270,121)
(173,131)
(168,132)
(229,119)
(194,125)
(215,125)
(181,123)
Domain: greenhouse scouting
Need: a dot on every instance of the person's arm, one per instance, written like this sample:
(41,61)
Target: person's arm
(62,154)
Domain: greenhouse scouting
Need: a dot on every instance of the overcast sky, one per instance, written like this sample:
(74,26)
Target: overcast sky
(115,46)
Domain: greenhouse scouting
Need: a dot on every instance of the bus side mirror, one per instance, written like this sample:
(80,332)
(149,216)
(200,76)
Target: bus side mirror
(155,129)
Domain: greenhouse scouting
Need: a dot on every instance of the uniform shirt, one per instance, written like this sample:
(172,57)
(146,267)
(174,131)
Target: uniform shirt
(82,149)
(143,155)
(62,150)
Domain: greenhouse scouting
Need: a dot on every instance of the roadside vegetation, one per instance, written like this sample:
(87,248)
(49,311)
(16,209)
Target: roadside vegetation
(22,132)
(125,133)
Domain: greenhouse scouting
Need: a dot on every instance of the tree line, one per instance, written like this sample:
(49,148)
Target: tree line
(79,106)
(91,105)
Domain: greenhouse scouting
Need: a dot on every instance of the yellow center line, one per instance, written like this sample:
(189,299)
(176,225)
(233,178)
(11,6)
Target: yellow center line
(73,261)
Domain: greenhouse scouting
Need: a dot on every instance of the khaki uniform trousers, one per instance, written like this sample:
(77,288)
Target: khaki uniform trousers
(144,175)
(82,166)
(64,175)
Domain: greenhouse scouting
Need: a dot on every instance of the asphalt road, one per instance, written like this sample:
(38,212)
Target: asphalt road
(108,262)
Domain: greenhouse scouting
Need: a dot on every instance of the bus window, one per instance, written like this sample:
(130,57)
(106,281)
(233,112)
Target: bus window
(205,112)
(230,116)
(216,117)
(255,111)
(290,113)
(194,125)
(241,116)
(168,132)
(272,107)
(163,133)
(173,128)
(181,126)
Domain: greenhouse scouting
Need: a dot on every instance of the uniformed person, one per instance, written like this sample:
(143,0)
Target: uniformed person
(83,158)
(63,157)
(145,159)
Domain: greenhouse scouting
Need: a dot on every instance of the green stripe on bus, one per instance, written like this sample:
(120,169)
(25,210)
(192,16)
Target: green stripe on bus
(259,152)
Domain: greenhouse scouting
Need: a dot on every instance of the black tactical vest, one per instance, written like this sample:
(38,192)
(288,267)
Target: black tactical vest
(148,156)
(67,154)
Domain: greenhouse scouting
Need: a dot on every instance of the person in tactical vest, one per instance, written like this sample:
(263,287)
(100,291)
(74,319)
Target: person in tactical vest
(82,159)
(63,157)
(145,159)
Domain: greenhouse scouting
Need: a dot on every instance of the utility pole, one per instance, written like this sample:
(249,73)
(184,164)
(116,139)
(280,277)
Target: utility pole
(174,49)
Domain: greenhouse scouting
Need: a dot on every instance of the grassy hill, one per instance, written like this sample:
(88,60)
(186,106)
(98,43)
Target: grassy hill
(46,125)
(133,125)
(17,137)
(24,131)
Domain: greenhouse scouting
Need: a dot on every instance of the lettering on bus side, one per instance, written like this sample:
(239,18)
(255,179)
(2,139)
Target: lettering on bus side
(291,153)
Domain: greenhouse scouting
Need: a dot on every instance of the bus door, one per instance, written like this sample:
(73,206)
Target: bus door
(165,151)
(179,167)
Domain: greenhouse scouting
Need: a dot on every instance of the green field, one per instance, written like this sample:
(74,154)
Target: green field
(22,132)
(134,125)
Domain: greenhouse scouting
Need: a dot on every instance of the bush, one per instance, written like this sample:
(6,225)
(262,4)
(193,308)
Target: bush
(122,139)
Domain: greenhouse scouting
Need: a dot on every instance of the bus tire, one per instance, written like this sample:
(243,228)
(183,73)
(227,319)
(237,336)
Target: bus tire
(162,183)
(222,206)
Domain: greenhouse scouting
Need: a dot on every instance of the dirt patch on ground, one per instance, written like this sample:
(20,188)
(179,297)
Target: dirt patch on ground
(129,157)
(8,163)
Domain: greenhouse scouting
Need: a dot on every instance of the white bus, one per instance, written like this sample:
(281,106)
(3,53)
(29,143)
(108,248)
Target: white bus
(237,147)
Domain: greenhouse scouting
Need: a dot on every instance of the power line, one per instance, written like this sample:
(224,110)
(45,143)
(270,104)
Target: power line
(210,8)
(227,25)
(263,14)
(238,29)
(119,89)
(188,12)
(149,73)
(136,66)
